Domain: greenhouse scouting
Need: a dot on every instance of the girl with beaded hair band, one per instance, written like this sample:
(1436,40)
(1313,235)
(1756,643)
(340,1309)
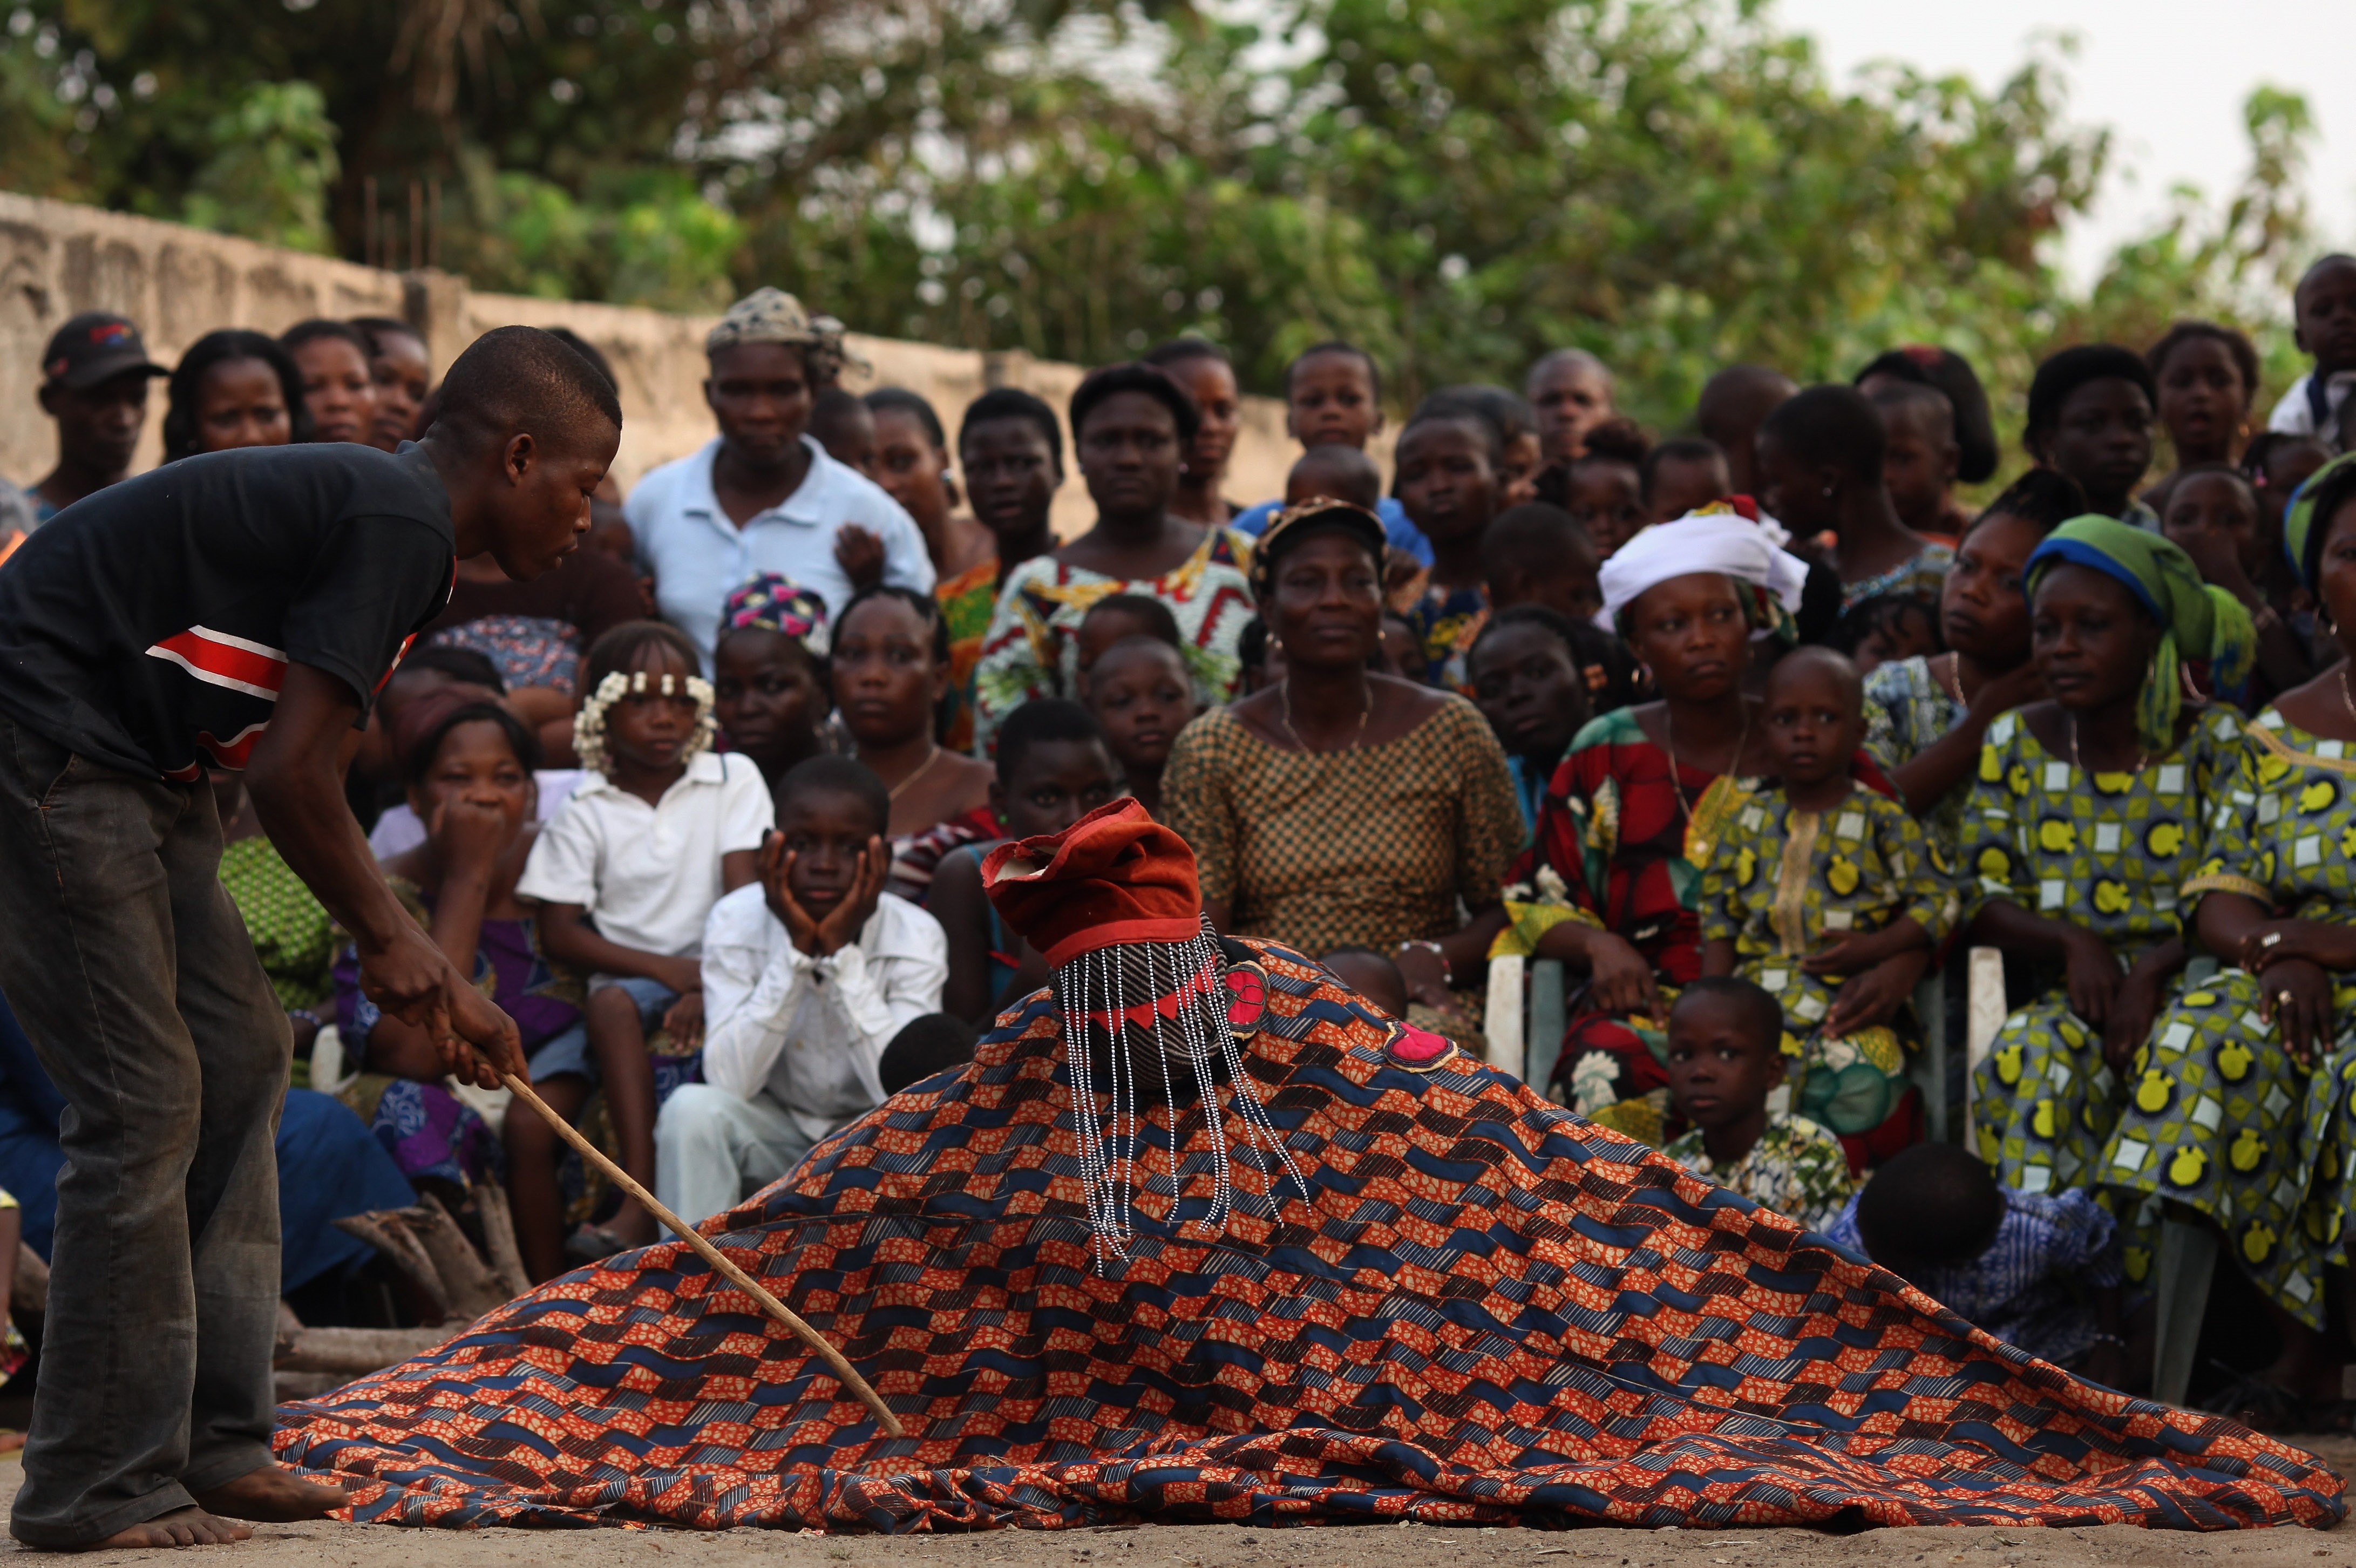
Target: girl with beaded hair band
(589,728)
(625,873)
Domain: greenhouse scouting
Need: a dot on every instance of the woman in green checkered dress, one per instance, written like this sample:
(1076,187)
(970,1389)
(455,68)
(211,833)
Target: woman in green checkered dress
(2082,826)
(2241,1108)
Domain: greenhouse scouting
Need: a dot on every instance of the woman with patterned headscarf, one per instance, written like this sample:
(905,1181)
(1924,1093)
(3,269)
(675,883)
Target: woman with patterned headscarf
(2088,814)
(2238,1110)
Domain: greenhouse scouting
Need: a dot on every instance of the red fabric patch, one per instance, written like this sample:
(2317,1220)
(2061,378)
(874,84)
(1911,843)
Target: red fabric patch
(1418,1047)
(1247,998)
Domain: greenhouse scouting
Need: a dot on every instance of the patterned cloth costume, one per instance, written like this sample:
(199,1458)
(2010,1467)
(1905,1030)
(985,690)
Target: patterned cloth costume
(1441,1299)
(1796,1168)
(1031,649)
(1785,885)
(2109,853)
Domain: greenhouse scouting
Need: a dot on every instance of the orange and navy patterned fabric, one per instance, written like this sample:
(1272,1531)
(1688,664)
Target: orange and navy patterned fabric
(1475,1308)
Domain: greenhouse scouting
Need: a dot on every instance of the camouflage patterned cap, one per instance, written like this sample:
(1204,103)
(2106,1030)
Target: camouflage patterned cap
(764,316)
(773,316)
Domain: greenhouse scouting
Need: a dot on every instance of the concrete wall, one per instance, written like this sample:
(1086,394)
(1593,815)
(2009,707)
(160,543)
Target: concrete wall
(177,283)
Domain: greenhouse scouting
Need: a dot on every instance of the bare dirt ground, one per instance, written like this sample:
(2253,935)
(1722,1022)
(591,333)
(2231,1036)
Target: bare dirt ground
(334,1545)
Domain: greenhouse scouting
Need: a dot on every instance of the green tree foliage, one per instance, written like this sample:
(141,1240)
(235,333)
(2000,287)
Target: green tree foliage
(1457,183)
(273,164)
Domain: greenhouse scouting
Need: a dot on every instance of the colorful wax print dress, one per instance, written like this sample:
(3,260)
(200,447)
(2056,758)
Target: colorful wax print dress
(1923,576)
(1908,708)
(1625,831)
(967,601)
(1796,1168)
(2108,852)
(1447,1301)
(1785,885)
(2218,1115)
(1446,623)
(1031,649)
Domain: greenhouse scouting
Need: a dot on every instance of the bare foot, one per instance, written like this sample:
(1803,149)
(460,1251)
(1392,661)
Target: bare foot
(272,1494)
(633,1224)
(181,1527)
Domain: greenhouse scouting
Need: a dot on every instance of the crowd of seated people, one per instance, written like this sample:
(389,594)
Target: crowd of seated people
(1751,726)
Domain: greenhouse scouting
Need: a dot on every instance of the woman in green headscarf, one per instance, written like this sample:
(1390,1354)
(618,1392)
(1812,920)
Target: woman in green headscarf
(2239,1107)
(2084,821)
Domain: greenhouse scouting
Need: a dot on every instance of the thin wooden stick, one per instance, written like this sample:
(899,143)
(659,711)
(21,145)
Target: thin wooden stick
(842,1369)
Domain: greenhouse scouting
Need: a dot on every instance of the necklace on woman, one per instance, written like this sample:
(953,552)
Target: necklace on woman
(2346,695)
(1956,679)
(2141,760)
(921,769)
(1669,744)
(1366,710)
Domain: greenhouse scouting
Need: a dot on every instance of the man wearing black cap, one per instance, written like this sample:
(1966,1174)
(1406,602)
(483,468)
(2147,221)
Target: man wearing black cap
(94,378)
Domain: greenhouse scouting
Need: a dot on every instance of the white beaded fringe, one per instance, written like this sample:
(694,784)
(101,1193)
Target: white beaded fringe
(1112,1147)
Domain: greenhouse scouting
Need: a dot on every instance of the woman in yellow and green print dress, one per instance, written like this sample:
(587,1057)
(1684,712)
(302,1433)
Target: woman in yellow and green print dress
(2083,824)
(2227,1111)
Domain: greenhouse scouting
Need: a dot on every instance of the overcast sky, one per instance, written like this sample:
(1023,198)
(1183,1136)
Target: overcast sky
(2168,83)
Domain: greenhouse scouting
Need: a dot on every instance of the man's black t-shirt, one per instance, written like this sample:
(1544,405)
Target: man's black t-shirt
(148,627)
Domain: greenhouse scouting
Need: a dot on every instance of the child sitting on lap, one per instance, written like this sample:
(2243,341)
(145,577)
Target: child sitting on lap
(1825,893)
(661,828)
(2039,1270)
(1725,1058)
(810,974)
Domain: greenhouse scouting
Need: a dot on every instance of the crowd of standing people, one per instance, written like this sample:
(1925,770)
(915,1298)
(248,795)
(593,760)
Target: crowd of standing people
(1752,727)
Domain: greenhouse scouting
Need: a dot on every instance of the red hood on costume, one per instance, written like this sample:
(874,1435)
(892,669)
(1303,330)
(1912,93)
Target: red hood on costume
(1115,875)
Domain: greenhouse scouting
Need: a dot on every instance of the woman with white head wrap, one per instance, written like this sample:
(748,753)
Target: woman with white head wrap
(1637,806)
(1730,538)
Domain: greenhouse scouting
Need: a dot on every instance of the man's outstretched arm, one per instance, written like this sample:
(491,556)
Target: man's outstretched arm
(296,775)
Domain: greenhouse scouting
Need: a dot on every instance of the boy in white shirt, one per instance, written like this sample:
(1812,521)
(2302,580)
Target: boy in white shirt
(807,975)
(657,830)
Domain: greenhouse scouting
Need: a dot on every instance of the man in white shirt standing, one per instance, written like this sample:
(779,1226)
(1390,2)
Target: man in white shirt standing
(807,975)
(764,496)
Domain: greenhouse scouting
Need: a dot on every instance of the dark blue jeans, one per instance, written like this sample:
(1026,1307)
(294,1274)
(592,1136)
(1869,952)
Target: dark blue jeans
(133,975)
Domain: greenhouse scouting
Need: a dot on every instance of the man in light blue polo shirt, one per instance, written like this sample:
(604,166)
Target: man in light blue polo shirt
(763,496)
